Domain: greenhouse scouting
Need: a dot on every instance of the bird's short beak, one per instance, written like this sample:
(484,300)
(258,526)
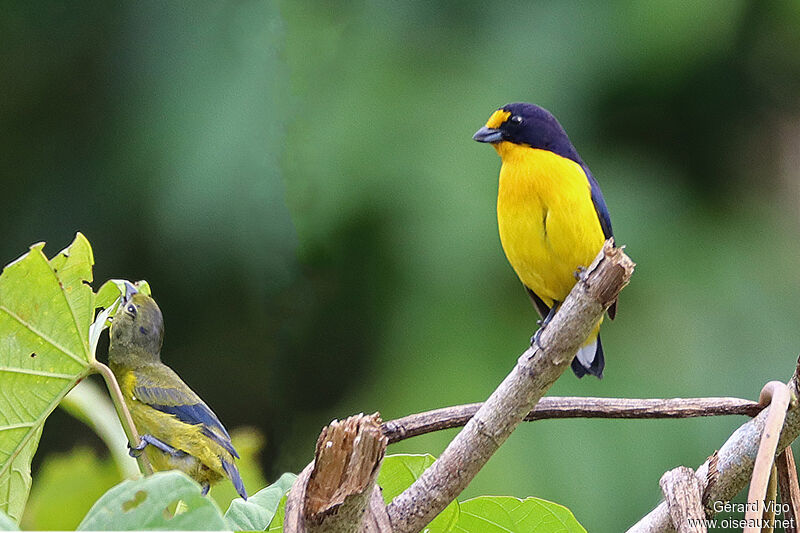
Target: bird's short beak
(488,135)
(130,290)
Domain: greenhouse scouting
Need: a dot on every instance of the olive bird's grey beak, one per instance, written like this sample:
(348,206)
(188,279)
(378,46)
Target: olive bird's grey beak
(130,290)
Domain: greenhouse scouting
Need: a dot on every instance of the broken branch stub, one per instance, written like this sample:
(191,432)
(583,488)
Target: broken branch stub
(336,492)
(683,493)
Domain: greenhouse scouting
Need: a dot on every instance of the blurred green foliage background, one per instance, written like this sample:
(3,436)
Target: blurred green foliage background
(298,184)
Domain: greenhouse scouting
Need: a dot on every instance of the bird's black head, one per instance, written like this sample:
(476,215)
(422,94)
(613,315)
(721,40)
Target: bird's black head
(138,325)
(529,125)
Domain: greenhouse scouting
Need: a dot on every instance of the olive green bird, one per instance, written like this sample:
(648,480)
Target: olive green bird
(178,431)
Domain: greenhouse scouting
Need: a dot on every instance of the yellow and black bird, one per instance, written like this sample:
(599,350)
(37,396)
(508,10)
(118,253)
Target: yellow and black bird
(178,430)
(551,214)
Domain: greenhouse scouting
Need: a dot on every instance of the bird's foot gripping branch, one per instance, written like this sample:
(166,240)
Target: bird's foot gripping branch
(536,370)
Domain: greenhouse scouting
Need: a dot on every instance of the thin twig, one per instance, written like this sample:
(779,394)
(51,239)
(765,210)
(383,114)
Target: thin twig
(777,396)
(732,466)
(122,412)
(574,407)
(536,370)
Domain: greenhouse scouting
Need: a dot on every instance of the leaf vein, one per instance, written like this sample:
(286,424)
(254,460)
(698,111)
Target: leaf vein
(32,372)
(38,422)
(43,336)
(72,310)
(17,426)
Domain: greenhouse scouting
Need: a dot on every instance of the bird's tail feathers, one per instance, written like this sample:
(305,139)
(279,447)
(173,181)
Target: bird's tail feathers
(236,479)
(589,360)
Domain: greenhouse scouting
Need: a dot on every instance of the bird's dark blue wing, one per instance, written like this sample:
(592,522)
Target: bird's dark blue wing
(542,308)
(199,413)
(599,204)
(187,408)
(605,220)
(235,477)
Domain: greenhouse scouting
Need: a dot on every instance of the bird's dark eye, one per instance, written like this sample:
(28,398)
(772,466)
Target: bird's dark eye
(516,120)
(132,309)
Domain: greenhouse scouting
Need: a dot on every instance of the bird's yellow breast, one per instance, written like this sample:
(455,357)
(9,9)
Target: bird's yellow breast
(548,223)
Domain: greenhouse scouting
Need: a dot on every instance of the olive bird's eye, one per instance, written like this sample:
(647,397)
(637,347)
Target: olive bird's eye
(132,309)
(516,120)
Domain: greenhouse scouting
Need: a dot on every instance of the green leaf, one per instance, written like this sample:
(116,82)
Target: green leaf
(248,442)
(505,514)
(72,481)
(143,287)
(399,471)
(486,514)
(73,268)
(107,294)
(277,522)
(6,524)
(257,512)
(15,483)
(146,503)
(46,309)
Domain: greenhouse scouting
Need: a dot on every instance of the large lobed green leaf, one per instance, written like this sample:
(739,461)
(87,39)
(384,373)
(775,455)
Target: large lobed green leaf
(147,503)
(485,514)
(46,309)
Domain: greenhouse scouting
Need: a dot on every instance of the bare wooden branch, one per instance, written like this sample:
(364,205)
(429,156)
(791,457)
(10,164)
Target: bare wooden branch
(733,465)
(789,488)
(333,494)
(536,370)
(574,407)
(376,519)
(683,493)
(777,396)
